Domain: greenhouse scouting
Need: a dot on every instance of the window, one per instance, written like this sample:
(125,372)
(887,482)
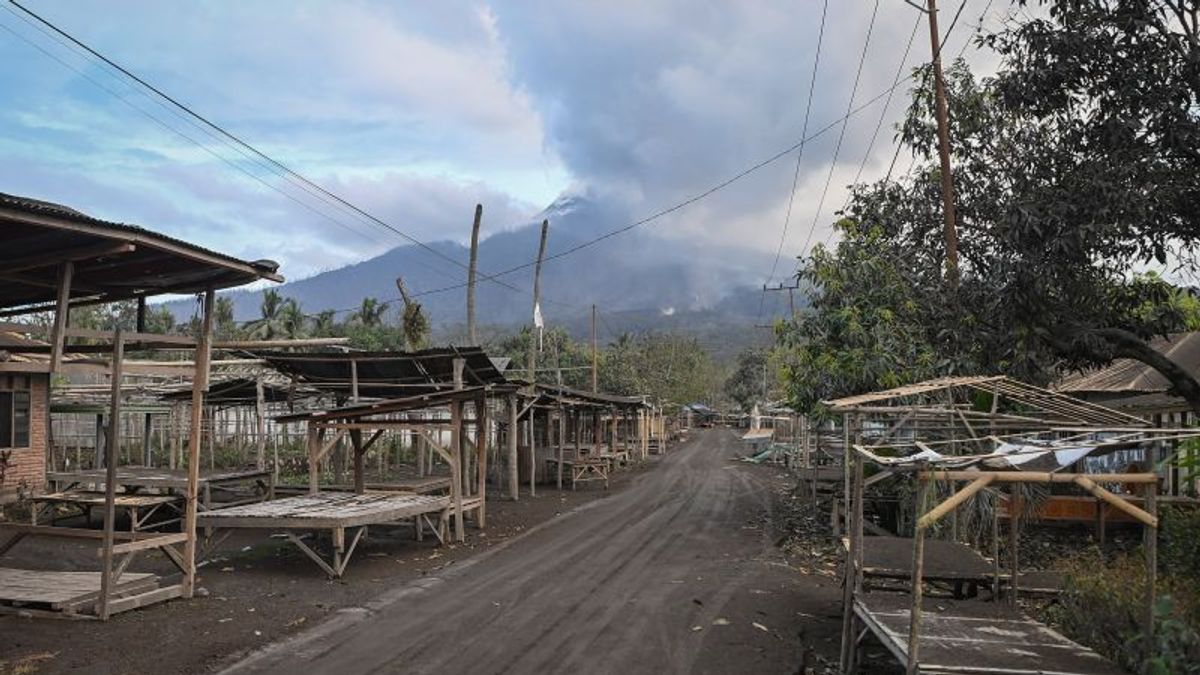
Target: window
(14,419)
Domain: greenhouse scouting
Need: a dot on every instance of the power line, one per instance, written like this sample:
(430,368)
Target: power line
(670,209)
(287,170)
(941,45)
(845,123)
(812,84)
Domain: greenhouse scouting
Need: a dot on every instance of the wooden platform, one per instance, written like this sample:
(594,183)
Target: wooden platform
(891,557)
(140,476)
(420,486)
(962,637)
(325,510)
(74,594)
(227,485)
(335,512)
(140,507)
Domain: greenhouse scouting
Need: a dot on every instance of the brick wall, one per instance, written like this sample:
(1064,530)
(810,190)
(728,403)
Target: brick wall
(27,466)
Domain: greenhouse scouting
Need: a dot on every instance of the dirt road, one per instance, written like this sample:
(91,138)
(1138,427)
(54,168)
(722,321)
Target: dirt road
(675,574)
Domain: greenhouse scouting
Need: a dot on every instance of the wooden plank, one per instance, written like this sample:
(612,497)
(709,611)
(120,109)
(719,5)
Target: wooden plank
(144,599)
(52,587)
(149,543)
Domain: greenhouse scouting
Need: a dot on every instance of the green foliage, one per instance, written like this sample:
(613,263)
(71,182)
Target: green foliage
(665,367)
(1104,604)
(1074,171)
(865,328)
(755,379)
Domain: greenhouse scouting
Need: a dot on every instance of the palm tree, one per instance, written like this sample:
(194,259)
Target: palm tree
(370,313)
(291,319)
(324,323)
(268,326)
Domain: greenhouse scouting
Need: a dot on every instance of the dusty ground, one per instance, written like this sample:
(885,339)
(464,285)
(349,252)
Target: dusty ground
(674,569)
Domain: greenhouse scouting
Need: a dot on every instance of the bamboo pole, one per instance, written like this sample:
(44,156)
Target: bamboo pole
(1116,502)
(954,501)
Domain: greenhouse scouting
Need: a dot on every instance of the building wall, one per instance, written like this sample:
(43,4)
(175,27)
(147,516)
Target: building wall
(26,467)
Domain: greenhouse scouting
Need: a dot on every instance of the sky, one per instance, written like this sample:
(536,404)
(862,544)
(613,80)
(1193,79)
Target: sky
(417,111)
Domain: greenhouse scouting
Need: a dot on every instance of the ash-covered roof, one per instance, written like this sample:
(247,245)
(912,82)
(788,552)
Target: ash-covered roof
(387,374)
(112,261)
(1134,377)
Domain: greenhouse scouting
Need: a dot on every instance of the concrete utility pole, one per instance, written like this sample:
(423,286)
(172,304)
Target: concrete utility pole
(950,230)
(471,337)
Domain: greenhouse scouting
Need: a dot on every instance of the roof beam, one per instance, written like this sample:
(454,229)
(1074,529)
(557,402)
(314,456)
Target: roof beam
(73,254)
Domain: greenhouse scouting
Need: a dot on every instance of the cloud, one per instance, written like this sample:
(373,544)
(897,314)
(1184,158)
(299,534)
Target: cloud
(660,103)
(418,111)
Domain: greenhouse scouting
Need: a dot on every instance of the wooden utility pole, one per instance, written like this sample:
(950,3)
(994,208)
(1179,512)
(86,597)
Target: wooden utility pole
(537,290)
(471,270)
(532,361)
(950,230)
(595,358)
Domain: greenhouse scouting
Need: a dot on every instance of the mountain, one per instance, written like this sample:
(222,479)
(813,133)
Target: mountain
(652,280)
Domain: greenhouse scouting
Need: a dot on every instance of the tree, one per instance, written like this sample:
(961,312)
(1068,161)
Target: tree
(413,321)
(752,379)
(869,321)
(281,318)
(370,312)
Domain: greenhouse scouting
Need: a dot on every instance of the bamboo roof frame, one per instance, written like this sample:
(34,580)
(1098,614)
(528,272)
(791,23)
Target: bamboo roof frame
(976,481)
(1041,406)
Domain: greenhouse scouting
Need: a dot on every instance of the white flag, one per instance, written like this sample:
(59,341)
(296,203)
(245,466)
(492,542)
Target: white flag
(538,322)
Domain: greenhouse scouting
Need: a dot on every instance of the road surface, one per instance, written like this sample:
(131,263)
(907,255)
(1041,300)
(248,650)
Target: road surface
(674,574)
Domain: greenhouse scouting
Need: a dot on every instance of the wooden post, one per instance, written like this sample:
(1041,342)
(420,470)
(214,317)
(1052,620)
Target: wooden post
(918,574)
(996,546)
(851,575)
(199,387)
(1014,535)
(481,450)
(1150,534)
(260,415)
(456,450)
(472,339)
(360,485)
(514,481)
(562,421)
(110,473)
(62,312)
(147,429)
(313,444)
(532,452)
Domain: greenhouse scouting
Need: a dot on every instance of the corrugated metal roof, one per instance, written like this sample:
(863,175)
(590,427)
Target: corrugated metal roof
(38,206)
(1135,377)
(112,261)
(387,375)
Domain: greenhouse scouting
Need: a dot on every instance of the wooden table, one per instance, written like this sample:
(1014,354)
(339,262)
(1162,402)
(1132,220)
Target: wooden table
(581,469)
(140,507)
(134,479)
(335,512)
